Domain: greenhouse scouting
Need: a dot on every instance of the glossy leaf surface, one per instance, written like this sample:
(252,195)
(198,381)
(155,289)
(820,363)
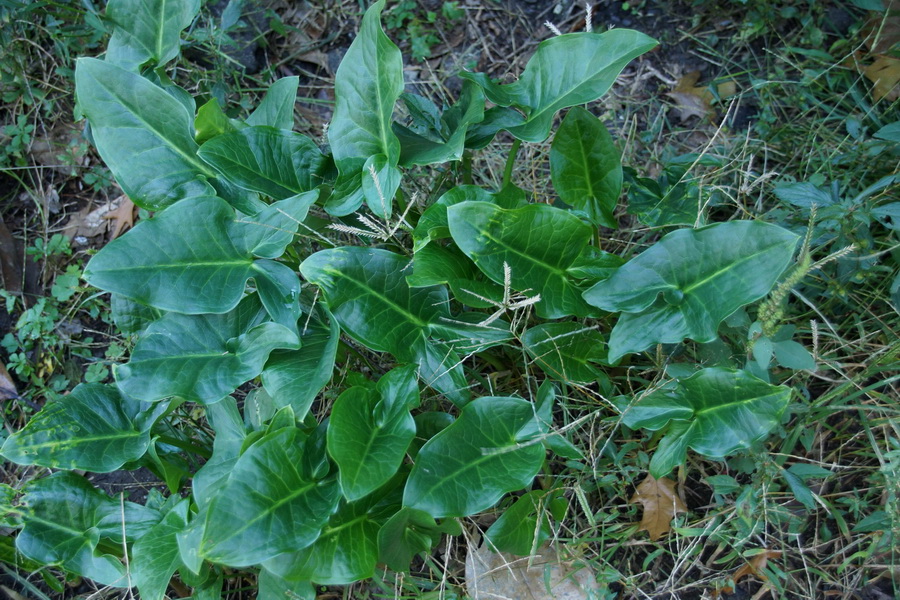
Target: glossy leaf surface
(147,30)
(156,554)
(347,549)
(130,117)
(715,411)
(255,515)
(586,167)
(566,70)
(448,135)
(64,511)
(408,533)
(202,357)
(485,453)
(517,530)
(370,430)
(277,106)
(366,86)
(274,162)
(368,295)
(197,256)
(93,428)
(537,241)
(295,377)
(687,283)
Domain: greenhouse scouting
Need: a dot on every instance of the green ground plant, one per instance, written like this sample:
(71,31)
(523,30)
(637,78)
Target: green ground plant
(332,364)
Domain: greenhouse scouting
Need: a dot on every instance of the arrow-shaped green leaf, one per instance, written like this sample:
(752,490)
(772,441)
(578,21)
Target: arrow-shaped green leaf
(538,242)
(196,256)
(130,117)
(202,357)
(147,30)
(270,503)
(485,453)
(271,161)
(687,283)
(586,167)
(367,293)
(715,411)
(566,70)
(93,428)
(370,430)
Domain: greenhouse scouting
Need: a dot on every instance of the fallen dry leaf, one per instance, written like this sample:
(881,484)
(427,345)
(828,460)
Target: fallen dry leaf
(661,504)
(753,567)
(884,73)
(7,386)
(10,262)
(492,576)
(123,216)
(693,101)
(90,223)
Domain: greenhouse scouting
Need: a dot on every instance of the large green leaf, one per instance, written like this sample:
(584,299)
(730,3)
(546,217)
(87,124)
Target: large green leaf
(715,411)
(271,161)
(147,30)
(155,556)
(448,138)
(538,242)
(366,87)
(277,107)
(517,530)
(225,419)
(144,135)
(370,430)
(273,587)
(63,512)
(567,352)
(295,377)
(432,225)
(270,504)
(488,451)
(586,167)
(196,256)
(408,533)
(447,265)
(566,70)
(347,549)
(368,295)
(93,428)
(202,357)
(687,283)
(131,316)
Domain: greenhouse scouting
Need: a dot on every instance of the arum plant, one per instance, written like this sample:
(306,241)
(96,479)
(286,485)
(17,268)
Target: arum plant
(239,319)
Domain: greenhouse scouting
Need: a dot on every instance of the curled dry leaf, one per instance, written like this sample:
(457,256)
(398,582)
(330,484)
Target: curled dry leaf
(694,101)
(122,216)
(7,386)
(10,262)
(661,504)
(884,74)
(753,567)
(93,222)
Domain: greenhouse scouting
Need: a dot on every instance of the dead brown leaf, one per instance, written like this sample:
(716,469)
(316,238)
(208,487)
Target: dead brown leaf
(122,216)
(10,262)
(882,31)
(661,504)
(753,567)
(884,73)
(7,386)
(92,221)
(694,101)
